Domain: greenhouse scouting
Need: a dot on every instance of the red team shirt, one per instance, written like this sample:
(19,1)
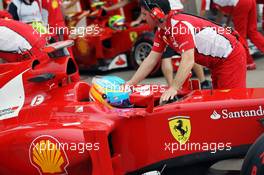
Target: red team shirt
(212,43)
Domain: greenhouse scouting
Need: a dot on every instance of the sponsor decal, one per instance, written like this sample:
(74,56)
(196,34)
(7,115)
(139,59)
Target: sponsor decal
(47,157)
(8,111)
(215,116)
(133,36)
(13,96)
(120,61)
(55,4)
(225,90)
(79,109)
(227,114)
(37,100)
(180,128)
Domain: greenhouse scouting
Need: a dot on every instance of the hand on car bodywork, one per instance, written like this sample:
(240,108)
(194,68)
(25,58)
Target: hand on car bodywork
(169,94)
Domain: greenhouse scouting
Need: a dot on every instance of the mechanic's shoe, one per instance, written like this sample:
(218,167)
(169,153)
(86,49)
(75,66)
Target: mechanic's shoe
(251,66)
(206,84)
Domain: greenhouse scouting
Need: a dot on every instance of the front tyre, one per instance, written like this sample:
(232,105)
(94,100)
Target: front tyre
(254,161)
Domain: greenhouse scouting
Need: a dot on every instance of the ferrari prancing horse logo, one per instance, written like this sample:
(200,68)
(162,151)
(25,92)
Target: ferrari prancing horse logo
(180,128)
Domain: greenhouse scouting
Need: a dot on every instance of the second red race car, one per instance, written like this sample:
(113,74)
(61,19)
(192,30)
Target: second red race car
(106,41)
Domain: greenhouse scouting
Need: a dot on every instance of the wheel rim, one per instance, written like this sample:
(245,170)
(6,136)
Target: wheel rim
(142,51)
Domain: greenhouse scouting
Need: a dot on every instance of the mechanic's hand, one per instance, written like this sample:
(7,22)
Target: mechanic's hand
(168,95)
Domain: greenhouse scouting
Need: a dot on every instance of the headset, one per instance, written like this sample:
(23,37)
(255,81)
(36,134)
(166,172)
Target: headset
(156,12)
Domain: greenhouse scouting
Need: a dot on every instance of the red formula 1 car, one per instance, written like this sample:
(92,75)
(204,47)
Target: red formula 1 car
(103,48)
(48,125)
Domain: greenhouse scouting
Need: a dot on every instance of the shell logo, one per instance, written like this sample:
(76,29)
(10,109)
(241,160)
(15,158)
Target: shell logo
(47,155)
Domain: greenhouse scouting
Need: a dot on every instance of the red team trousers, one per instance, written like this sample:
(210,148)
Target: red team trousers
(245,22)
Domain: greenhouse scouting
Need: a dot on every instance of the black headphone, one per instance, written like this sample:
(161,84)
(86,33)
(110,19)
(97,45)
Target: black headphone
(156,12)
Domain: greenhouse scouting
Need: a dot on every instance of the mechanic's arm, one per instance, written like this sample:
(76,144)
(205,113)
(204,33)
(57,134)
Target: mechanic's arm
(145,68)
(117,6)
(184,70)
(186,65)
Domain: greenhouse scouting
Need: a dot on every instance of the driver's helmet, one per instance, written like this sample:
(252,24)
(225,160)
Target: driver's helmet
(117,22)
(110,91)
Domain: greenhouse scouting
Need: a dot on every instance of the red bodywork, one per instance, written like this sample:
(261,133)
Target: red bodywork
(49,126)
(113,141)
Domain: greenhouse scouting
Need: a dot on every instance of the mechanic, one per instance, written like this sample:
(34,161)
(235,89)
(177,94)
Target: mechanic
(244,16)
(28,11)
(198,40)
(166,64)
(54,11)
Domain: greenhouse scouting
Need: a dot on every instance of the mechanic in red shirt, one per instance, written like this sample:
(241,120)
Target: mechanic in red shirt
(244,16)
(55,19)
(198,40)
(166,63)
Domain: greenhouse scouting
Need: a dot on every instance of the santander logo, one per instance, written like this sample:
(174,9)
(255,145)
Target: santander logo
(215,116)
(227,114)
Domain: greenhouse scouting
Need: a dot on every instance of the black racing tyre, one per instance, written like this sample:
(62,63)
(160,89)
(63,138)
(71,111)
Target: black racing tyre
(254,161)
(141,50)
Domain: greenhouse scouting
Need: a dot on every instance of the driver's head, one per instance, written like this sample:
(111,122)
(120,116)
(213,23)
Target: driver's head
(117,22)
(155,11)
(109,90)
